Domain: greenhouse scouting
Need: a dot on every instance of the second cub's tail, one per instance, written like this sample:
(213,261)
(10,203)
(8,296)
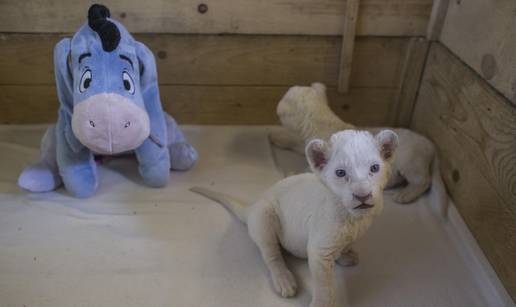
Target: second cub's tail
(236,207)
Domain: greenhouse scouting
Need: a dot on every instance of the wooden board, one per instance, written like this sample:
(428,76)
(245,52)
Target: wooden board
(321,17)
(437,17)
(245,105)
(348,44)
(412,70)
(475,131)
(229,60)
(483,34)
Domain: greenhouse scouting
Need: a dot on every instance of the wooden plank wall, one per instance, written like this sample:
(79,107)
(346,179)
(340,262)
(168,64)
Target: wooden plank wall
(483,34)
(230,65)
(303,17)
(474,128)
(218,79)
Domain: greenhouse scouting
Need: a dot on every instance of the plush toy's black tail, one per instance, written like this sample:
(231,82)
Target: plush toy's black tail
(107,30)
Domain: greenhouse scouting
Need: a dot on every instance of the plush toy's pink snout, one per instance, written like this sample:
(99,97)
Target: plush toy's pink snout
(110,124)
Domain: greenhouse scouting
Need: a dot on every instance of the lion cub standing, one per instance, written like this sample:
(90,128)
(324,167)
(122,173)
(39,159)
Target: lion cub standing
(318,215)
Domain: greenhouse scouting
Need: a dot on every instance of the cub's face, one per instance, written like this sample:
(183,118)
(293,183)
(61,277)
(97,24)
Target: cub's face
(355,166)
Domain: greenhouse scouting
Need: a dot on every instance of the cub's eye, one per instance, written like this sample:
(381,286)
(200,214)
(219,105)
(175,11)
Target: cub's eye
(340,173)
(85,81)
(375,168)
(128,82)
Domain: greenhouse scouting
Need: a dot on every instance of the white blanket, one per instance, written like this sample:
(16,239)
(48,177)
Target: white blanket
(130,245)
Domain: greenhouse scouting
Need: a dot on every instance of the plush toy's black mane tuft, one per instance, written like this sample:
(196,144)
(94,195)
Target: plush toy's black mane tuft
(107,30)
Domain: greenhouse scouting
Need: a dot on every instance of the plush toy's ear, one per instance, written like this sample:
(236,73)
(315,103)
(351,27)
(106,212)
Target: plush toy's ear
(63,75)
(317,153)
(387,143)
(150,92)
(147,66)
(64,84)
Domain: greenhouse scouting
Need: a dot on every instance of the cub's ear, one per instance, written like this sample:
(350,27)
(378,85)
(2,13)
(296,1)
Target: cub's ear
(319,87)
(387,142)
(317,153)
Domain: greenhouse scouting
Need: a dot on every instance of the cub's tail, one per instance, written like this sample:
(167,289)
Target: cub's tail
(236,207)
(438,192)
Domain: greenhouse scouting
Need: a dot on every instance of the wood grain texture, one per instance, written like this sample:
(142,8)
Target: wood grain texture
(474,129)
(221,105)
(320,17)
(483,34)
(236,79)
(437,17)
(348,44)
(410,78)
(229,60)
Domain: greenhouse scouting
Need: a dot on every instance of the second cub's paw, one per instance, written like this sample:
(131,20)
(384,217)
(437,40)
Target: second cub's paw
(284,283)
(349,258)
(280,139)
(405,196)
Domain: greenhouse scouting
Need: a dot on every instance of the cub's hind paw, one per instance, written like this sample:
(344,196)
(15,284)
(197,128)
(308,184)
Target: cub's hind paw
(406,195)
(284,283)
(349,258)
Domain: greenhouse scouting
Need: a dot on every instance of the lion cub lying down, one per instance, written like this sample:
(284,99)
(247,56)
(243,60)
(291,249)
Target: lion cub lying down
(305,115)
(318,215)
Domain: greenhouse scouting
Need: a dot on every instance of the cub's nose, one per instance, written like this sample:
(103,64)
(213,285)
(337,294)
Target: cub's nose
(363,198)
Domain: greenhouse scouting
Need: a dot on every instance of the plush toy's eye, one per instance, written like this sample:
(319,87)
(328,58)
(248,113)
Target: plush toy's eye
(340,173)
(128,82)
(85,81)
(375,168)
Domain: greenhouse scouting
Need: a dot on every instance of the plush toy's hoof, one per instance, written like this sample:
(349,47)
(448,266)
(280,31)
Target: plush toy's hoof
(39,178)
(156,176)
(182,156)
(81,182)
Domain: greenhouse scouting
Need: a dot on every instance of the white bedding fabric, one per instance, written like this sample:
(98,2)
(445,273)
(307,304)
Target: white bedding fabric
(130,245)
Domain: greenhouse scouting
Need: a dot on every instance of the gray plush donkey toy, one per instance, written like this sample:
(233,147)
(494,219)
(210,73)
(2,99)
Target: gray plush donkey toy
(109,104)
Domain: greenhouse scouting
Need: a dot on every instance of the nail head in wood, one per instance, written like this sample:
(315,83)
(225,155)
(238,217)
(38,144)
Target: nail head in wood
(202,8)
(162,54)
(455,175)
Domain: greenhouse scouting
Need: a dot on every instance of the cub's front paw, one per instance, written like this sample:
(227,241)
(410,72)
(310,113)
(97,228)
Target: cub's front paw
(349,258)
(284,283)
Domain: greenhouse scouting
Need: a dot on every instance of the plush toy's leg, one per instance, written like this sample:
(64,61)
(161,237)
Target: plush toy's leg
(77,168)
(44,175)
(182,155)
(154,163)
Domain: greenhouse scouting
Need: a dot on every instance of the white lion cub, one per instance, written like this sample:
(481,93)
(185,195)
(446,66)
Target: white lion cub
(318,215)
(305,114)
